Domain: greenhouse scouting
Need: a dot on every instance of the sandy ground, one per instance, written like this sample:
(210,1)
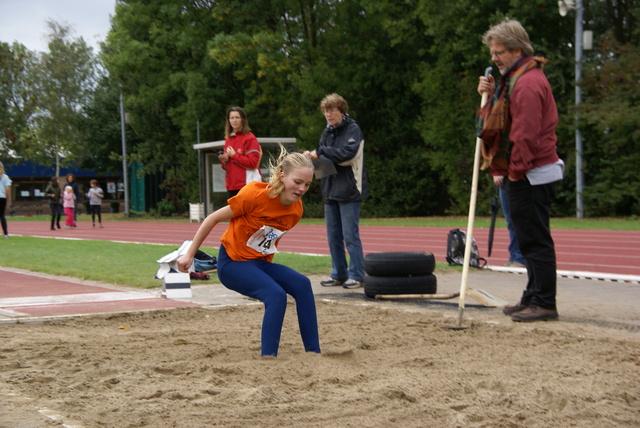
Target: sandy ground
(382,365)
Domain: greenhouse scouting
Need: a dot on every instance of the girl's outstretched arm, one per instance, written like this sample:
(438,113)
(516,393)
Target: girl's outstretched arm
(223,214)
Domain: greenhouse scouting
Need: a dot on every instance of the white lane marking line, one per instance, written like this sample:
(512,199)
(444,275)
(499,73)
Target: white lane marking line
(75,298)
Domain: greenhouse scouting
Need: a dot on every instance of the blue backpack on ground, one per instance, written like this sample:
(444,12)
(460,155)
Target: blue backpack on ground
(203,262)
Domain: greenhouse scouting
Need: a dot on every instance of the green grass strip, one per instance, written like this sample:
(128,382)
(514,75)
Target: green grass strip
(132,265)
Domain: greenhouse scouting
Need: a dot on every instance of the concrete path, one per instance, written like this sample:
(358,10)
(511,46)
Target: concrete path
(36,297)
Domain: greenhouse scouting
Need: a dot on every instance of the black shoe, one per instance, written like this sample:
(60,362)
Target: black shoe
(512,309)
(352,283)
(331,282)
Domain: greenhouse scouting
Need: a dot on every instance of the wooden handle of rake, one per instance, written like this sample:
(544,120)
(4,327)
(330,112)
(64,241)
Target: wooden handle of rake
(472,212)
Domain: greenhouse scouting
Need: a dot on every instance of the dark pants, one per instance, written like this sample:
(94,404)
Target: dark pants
(530,215)
(56,212)
(3,220)
(96,210)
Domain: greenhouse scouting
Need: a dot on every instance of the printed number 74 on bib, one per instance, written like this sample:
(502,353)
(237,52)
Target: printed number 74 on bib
(264,240)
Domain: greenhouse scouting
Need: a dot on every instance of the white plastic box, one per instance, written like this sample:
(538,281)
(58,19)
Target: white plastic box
(176,286)
(196,212)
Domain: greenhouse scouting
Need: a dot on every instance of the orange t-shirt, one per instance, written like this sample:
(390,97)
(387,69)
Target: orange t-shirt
(256,217)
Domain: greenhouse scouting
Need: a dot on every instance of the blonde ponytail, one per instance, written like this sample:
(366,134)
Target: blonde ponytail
(285,163)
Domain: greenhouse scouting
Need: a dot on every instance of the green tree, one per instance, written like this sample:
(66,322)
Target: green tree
(303,50)
(100,129)
(610,116)
(67,76)
(409,70)
(18,99)
(449,77)
(155,54)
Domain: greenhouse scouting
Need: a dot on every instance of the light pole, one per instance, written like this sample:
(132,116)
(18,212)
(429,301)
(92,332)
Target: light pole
(564,7)
(200,195)
(124,158)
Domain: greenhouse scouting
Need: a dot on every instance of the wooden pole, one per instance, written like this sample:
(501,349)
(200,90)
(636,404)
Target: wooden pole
(472,213)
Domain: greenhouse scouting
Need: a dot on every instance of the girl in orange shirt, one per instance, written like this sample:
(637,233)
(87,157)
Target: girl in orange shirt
(258,217)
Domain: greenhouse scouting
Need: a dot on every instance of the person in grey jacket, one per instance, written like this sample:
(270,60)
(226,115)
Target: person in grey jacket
(53,192)
(342,142)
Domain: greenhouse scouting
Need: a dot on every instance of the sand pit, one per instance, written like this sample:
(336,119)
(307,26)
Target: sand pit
(381,366)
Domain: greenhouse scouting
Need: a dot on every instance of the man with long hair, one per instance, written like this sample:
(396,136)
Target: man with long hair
(519,143)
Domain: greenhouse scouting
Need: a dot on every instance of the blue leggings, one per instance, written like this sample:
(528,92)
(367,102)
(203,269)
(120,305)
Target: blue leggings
(270,283)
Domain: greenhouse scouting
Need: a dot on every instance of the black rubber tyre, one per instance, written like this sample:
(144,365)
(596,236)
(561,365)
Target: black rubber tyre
(425,284)
(401,263)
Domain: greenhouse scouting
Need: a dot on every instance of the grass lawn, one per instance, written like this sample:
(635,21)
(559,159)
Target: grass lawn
(131,265)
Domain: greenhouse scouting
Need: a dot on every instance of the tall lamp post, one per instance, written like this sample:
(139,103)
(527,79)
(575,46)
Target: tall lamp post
(124,158)
(200,187)
(564,7)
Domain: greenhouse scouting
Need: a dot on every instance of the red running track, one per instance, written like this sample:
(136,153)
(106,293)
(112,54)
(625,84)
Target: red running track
(602,251)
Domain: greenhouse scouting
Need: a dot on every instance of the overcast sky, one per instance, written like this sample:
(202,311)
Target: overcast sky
(24,21)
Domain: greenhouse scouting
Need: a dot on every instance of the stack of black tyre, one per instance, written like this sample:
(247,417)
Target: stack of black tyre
(404,272)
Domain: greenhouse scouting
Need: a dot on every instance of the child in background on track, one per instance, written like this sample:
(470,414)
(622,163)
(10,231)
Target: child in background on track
(69,203)
(258,216)
(95,196)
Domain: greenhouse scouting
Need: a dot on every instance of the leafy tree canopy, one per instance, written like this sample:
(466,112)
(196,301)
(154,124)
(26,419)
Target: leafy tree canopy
(408,69)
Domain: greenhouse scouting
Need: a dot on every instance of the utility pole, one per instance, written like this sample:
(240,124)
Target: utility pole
(124,158)
(564,7)
(200,192)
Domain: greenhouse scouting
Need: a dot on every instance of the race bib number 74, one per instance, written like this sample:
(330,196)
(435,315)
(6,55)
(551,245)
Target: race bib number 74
(264,240)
